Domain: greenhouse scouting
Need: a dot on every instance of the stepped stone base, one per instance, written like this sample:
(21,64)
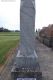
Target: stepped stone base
(25,73)
(26,67)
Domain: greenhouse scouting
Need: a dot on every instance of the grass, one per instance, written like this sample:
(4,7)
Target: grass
(8,40)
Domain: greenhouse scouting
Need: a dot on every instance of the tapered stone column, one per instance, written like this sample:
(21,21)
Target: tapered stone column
(27,60)
(27,27)
(27,57)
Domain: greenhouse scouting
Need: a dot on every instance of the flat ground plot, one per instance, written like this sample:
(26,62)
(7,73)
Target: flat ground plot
(45,55)
(8,40)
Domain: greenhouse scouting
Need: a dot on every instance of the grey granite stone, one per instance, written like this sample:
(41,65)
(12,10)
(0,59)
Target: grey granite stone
(26,78)
(27,57)
(26,64)
(27,27)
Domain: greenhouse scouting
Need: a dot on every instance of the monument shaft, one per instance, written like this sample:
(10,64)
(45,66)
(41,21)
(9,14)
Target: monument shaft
(27,27)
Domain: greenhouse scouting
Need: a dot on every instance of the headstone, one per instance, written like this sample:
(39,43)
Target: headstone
(27,65)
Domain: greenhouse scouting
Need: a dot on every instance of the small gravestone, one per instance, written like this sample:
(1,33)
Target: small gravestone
(27,65)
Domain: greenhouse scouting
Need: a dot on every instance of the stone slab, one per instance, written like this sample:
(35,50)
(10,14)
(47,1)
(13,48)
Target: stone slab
(26,78)
(26,67)
(30,62)
(26,74)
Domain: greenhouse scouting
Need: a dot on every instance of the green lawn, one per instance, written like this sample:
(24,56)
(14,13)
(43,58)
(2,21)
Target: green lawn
(8,40)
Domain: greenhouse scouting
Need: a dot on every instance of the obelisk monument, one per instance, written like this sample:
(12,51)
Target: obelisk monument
(26,59)
(27,56)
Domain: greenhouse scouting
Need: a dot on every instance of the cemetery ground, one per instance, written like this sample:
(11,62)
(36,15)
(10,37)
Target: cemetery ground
(45,57)
(8,40)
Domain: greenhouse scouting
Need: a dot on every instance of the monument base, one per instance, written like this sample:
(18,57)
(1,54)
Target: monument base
(26,67)
(25,73)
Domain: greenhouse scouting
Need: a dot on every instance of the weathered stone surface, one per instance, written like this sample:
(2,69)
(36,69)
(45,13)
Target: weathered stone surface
(26,59)
(26,78)
(27,27)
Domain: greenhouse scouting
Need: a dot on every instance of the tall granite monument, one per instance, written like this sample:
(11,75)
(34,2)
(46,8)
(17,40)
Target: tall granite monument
(27,65)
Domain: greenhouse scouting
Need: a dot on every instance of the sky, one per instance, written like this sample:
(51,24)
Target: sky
(10,14)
